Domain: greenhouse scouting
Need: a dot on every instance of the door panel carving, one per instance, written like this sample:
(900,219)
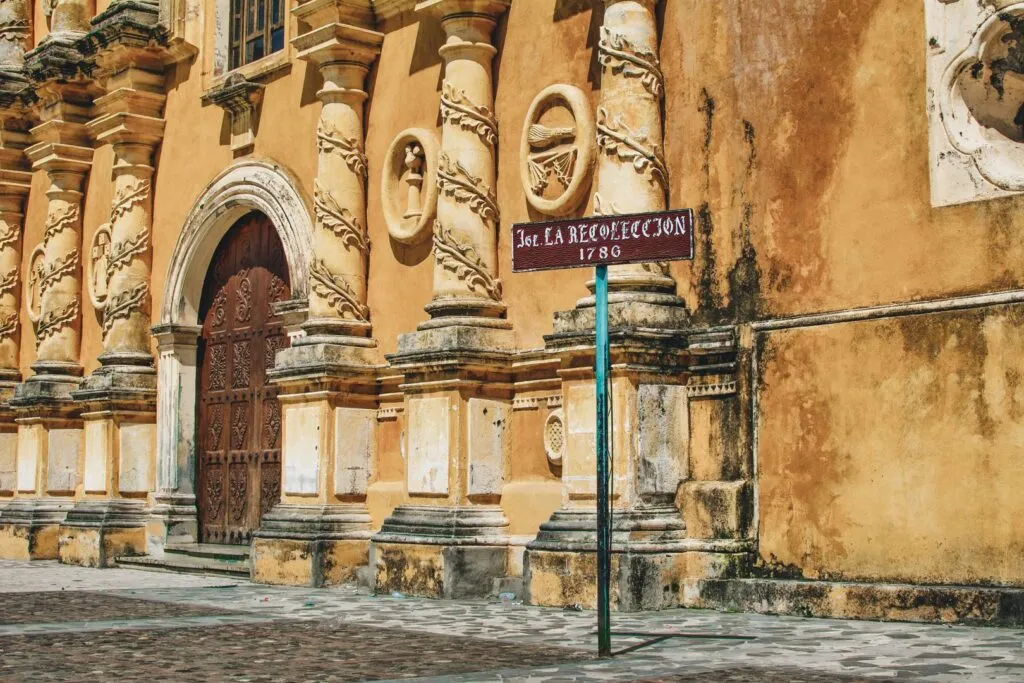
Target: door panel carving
(239,421)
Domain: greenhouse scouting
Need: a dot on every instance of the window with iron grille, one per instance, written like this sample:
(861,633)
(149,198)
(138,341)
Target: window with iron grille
(257,30)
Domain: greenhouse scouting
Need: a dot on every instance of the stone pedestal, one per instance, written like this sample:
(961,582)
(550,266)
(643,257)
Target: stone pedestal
(48,473)
(29,528)
(95,532)
(311,545)
(319,533)
(451,539)
(119,464)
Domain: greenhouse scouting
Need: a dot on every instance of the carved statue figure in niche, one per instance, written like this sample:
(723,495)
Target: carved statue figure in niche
(409,185)
(97,277)
(33,282)
(414,159)
(558,150)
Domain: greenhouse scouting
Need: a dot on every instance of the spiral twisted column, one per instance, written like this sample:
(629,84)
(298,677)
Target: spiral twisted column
(466,284)
(341,246)
(54,291)
(632,176)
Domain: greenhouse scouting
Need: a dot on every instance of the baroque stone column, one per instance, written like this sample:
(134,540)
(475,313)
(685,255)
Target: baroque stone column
(320,532)
(457,365)
(49,424)
(118,400)
(651,362)
(466,284)
(15,180)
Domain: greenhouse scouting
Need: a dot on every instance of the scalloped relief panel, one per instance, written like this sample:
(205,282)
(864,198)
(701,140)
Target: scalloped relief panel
(975,99)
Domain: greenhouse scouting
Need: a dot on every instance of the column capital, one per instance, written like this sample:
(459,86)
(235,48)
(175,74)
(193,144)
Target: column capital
(339,43)
(118,127)
(174,335)
(61,146)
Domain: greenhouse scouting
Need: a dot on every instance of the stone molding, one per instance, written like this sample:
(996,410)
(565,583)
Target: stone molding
(242,187)
(240,98)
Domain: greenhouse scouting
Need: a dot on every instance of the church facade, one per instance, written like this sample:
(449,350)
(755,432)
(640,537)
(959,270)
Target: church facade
(256,291)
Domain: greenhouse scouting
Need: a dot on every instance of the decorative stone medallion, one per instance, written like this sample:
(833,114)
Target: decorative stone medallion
(558,150)
(976,99)
(409,185)
(33,285)
(554,437)
(96,266)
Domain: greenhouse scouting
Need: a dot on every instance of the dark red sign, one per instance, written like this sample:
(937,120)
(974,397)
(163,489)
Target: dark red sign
(603,240)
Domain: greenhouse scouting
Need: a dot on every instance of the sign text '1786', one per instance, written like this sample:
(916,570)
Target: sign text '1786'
(603,240)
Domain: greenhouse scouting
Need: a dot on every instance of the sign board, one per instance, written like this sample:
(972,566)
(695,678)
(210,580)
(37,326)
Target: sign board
(602,240)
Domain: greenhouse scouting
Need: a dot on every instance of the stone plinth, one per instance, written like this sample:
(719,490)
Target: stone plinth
(319,533)
(29,528)
(95,532)
(442,552)
(311,545)
(458,405)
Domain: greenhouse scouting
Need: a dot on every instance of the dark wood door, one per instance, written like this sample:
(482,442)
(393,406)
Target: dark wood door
(239,419)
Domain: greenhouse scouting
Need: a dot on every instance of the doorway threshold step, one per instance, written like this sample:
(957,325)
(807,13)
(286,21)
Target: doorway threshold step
(196,561)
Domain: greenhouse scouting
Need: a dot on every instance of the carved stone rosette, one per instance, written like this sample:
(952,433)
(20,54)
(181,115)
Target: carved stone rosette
(341,246)
(631,176)
(465,234)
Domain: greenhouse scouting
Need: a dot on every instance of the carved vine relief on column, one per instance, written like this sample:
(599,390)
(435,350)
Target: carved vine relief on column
(458,109)
(463,260)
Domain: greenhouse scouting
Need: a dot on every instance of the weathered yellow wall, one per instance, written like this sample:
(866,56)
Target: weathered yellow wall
(814,149)
(892,449)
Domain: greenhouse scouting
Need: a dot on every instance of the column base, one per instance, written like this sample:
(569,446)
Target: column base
(95,532)
(651,559)
(442,552)
(124,379)
(52,383)
(448,335)
(311,545)
(174,518)
(30,528)
(625,310)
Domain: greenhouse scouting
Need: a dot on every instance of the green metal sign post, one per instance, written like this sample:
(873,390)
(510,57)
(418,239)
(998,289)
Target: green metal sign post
(602,370)
(599,242)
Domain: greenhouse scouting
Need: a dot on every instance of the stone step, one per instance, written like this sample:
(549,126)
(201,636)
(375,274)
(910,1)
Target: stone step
(213,551)
(187,564)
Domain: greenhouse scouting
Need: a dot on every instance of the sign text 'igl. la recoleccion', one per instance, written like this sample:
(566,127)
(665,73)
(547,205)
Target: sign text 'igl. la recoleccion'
(603,240)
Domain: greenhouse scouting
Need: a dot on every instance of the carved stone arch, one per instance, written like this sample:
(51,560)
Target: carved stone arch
(243,187)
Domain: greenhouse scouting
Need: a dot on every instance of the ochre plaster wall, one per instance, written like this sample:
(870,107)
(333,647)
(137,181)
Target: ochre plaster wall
(891,449)
(800,128)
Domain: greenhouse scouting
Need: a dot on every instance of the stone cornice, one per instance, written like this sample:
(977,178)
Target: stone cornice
(386,10)
(319,13)
(339,43)
(57,58)
(237,94)
(446,8)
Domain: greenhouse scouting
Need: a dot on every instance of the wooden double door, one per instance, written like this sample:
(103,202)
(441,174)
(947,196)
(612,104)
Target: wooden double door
(239,420)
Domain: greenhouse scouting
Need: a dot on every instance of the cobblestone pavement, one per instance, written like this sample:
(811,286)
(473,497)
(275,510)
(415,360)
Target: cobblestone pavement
(221,630)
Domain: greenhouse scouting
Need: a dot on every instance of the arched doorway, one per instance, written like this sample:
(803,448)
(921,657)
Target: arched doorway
(238,417)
